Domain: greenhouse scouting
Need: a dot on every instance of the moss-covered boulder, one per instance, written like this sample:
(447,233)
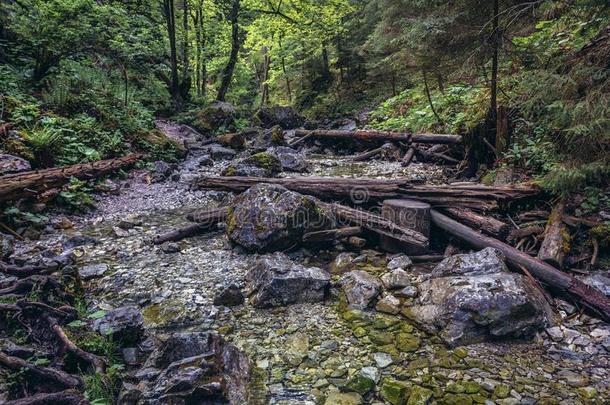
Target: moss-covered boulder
(395,392)
(215,117)
(360,384)
(419,396)
(261,164)
(270,218)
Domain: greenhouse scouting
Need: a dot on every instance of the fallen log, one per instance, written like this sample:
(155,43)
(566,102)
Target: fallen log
(556,240)
(66,397)
(408,157)
(563,283)
(470,195)
(32,183)
(520,233)
(206,221)
(331,235)
(487,224)
(355,242)
(61,378)
(377,224)
(381,136)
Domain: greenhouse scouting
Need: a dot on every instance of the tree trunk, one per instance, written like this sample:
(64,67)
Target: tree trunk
(381,136)
(32,183)
(170,20)
(558,280)
(185,40)
(227,74)
(361,191)
(409,214)
(265,77)
(438,118)
(488,225)
(556,238)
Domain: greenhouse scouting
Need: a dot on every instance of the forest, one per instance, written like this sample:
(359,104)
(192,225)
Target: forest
(304,202)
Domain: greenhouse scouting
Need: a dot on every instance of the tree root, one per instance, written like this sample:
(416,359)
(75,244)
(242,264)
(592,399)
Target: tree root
(67,397)
(58,377)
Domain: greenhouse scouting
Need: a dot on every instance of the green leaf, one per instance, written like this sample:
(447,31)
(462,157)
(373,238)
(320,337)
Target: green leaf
(97,314)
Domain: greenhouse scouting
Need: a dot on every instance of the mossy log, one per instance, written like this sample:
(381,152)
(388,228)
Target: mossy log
(33,183)
(559,281)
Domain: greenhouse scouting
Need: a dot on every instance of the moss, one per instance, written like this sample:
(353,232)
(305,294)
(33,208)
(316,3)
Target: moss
(265,161)
(419,396)
(360,384)
(456,399)
(501,391)
(277,135)
(381,338)
(407,342)
(230,171)
(395,392)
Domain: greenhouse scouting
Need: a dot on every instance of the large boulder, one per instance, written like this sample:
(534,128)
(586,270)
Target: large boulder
(290,159)
(360,288)
(275,280)
(269,138)
(217,152)
(286,117)
(269,217)
(191,367)
(13,164)
(471,298)
(218,116)
(260,164)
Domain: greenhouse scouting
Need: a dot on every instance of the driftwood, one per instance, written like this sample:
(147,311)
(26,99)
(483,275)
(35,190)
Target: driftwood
(487,224)
(520,233)
(206,221)
(556,238)
(66,397)
(381,136)
(58,377)
(563,283)
(464,195)
(408,157)
(332,235)
(33,183)
(377,224)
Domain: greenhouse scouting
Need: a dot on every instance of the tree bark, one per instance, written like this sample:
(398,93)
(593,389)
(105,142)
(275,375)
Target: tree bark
(564,283)
(227,74)
(487,224)
(381,136)
(32,183)
(170,21)
(556,238)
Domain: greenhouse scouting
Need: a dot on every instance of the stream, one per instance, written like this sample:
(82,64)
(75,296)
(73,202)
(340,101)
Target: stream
(305,352)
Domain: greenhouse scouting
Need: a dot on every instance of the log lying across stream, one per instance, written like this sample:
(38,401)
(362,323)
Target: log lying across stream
(558,280)
(381,136)
(463,195)
(32,183)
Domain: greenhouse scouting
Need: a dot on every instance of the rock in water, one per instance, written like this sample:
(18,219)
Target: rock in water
(269,217)
(126,324)
(285,117)
(360,288)
(13,164)
(473,297)
(217,116)
(275,280)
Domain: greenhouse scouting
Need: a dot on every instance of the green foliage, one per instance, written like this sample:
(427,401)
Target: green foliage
(22,219)
(76,195)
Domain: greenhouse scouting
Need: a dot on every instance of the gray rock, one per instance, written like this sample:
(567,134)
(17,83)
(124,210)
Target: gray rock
(126,324)
(79,240)
(371,373)
(13,164)
(360,288)
(161,170)
(400,262)
(7,246)
(217,116)
(407,292)
(217,152)
(486,261)
(275,280)
(388,304)
(170,247)
(269,217)
(598,281)
(229,296)
(396,279)
(555,333)
(290,159)
(382,359)
(470,301)
(92,271)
